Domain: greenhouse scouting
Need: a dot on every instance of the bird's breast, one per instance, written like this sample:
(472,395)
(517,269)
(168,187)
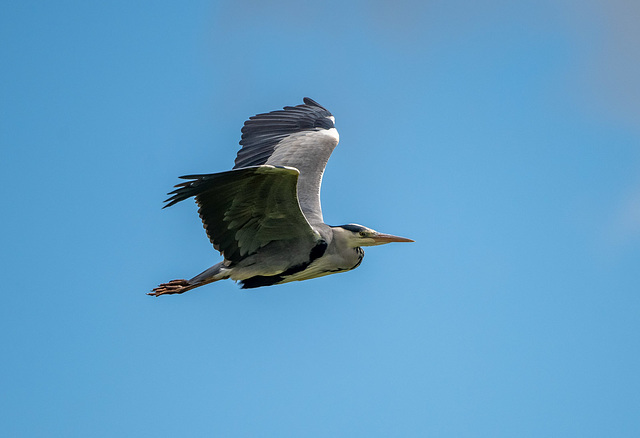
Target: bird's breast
(328,263)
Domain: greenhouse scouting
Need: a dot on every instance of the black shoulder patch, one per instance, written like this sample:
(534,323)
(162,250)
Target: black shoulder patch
(317,251)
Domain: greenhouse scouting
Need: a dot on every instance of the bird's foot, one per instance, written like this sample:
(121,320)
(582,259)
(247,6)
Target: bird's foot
(173,287)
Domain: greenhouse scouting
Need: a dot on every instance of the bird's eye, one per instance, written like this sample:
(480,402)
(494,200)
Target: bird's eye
(363,233)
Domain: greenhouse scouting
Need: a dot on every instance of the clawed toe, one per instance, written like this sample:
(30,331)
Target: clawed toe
(173,287)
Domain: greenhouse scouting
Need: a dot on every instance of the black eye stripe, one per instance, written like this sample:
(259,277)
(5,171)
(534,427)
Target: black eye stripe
(353,227)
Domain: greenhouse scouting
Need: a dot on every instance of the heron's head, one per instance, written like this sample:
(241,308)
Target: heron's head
(358,235)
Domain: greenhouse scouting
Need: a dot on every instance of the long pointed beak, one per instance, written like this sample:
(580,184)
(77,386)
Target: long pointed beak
(388,238)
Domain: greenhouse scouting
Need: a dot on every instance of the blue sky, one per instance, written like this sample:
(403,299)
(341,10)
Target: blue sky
(503,137)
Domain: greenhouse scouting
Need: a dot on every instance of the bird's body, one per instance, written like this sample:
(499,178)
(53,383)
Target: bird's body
(264,216)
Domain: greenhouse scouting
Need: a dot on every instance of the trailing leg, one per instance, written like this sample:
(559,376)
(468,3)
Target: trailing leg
(214,273)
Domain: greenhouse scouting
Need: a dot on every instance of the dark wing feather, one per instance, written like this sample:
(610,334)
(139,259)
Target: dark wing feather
(243,210)
(261,133)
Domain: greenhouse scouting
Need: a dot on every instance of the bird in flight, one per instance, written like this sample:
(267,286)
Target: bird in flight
(264,215)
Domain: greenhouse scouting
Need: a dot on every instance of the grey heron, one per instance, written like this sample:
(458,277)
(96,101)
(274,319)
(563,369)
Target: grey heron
(264,215)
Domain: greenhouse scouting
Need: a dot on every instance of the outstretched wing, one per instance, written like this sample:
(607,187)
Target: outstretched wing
(302,137)
(243,210)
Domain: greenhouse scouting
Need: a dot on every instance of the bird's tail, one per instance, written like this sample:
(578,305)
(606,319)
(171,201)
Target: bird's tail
(214,273)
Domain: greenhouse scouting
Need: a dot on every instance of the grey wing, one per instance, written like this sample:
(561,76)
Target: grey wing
(302,137)
(245,209)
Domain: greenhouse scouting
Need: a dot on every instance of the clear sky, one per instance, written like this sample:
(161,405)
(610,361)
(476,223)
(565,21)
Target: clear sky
(504,137)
